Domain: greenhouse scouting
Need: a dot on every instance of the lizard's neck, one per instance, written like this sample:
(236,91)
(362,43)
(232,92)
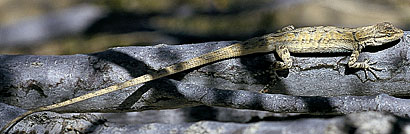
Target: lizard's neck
(364,36)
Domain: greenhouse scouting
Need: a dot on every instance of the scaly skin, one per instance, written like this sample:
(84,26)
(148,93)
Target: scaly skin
(320,39)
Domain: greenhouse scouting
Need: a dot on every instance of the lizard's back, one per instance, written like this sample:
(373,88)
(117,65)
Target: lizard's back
(320,39)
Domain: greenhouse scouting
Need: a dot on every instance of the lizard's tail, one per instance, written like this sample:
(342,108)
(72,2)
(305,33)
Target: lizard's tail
(222,53)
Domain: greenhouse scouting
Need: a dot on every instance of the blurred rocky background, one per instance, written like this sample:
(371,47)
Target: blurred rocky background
(50,27)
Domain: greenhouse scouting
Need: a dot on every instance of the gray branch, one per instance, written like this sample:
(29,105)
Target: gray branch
(315,85)
(366,122)
(30,81)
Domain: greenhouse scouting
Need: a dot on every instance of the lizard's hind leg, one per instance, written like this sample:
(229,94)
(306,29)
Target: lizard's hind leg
(284,54)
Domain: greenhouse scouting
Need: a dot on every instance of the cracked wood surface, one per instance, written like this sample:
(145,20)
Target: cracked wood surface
(366,122)
(30,81)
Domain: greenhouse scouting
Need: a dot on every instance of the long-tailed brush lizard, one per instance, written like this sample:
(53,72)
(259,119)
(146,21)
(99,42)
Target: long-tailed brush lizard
(319,39)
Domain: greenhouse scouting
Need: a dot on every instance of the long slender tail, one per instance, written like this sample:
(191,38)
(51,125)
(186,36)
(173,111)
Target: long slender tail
(222,53)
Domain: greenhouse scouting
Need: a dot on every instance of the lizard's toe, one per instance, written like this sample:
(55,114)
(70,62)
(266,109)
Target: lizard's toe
(372,63)
(374,74)
(376,68)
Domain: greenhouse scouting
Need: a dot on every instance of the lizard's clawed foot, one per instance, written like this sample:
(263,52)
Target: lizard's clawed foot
(367,66)
(278,65)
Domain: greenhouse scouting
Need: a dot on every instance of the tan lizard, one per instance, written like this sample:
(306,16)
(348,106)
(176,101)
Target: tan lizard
(319,39)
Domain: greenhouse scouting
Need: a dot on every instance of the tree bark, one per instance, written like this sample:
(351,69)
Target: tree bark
(317,84)
(30,81)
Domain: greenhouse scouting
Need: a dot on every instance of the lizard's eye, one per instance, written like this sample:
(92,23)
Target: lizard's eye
(389,34)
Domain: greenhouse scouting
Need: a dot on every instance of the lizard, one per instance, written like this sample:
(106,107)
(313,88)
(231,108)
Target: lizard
(317,39)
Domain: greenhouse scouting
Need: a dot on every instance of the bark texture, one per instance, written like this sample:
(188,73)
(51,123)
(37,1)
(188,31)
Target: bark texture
(317,84)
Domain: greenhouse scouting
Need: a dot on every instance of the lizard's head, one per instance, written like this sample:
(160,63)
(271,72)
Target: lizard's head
(378,34)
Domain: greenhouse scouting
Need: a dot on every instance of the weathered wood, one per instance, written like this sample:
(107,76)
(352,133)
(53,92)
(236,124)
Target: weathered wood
(366,122)
(30,81)
(319,85)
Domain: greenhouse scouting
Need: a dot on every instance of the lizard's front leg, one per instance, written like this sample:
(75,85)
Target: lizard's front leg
(284,54)
(365,65)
